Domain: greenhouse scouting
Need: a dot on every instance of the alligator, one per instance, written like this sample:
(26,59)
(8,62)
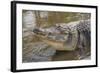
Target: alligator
(67,37)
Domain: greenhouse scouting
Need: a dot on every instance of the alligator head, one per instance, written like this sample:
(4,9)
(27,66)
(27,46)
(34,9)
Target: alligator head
(58,37)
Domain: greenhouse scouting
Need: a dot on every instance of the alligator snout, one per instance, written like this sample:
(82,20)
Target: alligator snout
(38,31)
